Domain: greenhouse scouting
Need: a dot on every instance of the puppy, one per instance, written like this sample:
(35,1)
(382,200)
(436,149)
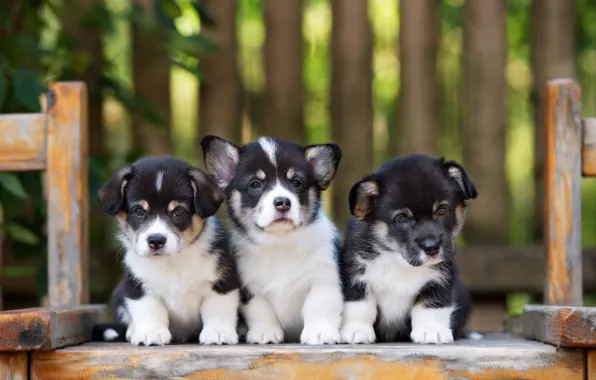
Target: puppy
(286,248)
(399,274)
(179,276)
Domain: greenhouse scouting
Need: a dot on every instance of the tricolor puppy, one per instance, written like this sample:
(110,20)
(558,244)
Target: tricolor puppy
(399,271)
(286,248)
(180,280)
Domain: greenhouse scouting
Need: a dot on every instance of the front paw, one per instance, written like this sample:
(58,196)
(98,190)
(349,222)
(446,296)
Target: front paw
(148,334)
(432,334)
(265,334)
(358,333)
(320,334)
(215,335)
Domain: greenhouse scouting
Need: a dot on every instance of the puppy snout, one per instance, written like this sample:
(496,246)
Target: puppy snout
(430,245)
(282,204)
(156,241)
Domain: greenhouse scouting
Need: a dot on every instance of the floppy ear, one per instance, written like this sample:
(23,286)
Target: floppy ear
(324,160)
(221,158)
(111,194)
(363,197)
(459,175)
(207,194)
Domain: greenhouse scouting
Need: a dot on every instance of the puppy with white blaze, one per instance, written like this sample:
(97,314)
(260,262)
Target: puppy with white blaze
(180,281)
(285,247)
(399,274)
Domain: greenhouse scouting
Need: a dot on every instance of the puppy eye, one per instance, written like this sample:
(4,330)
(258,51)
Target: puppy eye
(138,211)
(255,185)
(442,211)
(402,218)
(296,182)
(179,212)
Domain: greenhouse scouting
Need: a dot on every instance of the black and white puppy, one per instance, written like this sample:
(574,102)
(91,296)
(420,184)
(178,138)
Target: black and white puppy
(399,272)
(180,281)
(285,246)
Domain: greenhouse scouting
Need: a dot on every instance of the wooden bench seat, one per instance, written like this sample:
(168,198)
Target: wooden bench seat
(496,356)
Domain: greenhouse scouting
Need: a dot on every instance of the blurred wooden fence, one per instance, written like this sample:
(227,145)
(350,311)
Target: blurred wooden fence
(490,267)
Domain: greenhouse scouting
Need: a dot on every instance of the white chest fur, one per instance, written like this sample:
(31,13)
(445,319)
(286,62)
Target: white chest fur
(394,284)
(283,268)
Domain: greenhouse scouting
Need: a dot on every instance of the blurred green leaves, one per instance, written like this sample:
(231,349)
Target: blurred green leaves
(11,183)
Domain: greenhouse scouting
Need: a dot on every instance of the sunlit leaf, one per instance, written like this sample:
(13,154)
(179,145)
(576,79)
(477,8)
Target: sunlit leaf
(22,234)
(14,271)
(11,183)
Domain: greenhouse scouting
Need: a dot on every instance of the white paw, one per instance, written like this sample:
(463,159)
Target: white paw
(436,335)
(320,334)
(148,334)
(358,333)
(218,336)
(265,334)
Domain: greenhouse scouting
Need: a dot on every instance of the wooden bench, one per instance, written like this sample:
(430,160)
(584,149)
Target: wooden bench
(51,343)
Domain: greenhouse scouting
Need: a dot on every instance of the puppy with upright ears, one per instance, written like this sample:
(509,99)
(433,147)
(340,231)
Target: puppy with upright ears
(399,274)
(180,281)
(285,246)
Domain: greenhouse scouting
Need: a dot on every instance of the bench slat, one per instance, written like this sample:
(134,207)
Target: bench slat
(564,326)
(23,142)
(589,147)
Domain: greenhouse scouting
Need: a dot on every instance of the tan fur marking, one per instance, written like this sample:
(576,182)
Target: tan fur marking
(144,204)
(363,204)
(195,229)
(260,174)
(172,205)
(290,173)
(460,218)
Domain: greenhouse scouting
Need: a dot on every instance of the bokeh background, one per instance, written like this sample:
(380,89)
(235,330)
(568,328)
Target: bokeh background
(458,78)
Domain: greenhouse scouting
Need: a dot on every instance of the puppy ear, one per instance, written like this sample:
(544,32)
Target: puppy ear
(111,194)
(324,160)
(363,197)
(221,158)
(207,194)
(459,175)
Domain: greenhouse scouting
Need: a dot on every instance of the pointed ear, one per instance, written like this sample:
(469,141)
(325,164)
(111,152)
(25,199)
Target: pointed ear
(324,160)
(456,172)
(363,197)
(208,196)
(111,194)
(221,158)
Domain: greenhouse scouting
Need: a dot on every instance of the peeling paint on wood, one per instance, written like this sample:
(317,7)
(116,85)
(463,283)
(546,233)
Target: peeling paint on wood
(22,142)
(589,147)
(68,203)
(560,325)
(45,328)
(489,359)
(562,201)
(13,366)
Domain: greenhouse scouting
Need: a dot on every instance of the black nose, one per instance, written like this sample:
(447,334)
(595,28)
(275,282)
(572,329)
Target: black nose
(156,241)
(282,203)
(430,245)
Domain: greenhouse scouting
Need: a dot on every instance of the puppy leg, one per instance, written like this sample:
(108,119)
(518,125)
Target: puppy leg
(322,313)
(149,321)
(263,324)
(358,320)
(220,317)
(431,315)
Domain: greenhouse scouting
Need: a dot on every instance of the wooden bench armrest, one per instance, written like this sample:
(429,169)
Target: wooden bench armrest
(47,328)
(563,326)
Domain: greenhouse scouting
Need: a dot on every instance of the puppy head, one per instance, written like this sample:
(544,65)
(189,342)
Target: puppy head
(161,204)
(416,206)
(271,185)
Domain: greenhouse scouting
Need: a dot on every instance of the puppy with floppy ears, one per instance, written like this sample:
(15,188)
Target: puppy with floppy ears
(285,246)
(180,281)
(399,273)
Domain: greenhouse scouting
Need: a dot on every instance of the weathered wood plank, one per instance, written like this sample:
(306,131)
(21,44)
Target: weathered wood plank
(591,365)
(48,327)
(563,326)
(490,359)
(589,147)
(13,366)
(562,201)
(23,142)
(68,203)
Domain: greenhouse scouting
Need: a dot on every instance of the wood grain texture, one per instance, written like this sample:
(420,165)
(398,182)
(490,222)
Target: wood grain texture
(67,189)
(14,366)
(47,328)
(562,201)
(23,142)
(589,147)
(563,326)
(591,365)
(491,359)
